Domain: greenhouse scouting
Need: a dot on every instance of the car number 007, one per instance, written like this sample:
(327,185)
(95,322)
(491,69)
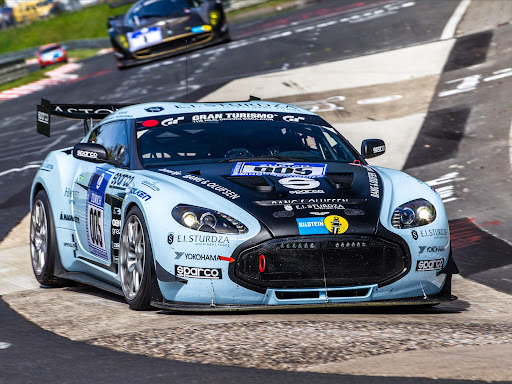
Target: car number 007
(95,227)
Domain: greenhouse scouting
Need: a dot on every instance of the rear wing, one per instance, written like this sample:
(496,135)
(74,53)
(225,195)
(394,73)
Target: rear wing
(85,112)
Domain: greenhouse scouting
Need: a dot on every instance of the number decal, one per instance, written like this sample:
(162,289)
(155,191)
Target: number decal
(95,213)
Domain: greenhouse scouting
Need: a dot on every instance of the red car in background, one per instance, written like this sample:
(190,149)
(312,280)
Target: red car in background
(50,54)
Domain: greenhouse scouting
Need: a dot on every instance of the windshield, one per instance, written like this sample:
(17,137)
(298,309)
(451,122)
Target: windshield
(157,8)
(211,142)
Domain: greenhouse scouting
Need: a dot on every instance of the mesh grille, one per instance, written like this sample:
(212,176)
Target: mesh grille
(332,262)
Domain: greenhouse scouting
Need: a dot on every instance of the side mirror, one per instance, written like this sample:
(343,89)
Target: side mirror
(95,153)
(372,148)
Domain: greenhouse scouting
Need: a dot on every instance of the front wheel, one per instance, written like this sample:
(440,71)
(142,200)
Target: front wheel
(135,258)
(43,242)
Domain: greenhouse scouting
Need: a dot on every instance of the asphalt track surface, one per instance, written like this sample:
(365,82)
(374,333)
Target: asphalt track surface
(276,43)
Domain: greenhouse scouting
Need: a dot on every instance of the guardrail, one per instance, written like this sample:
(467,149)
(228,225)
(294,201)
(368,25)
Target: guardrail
(12,69)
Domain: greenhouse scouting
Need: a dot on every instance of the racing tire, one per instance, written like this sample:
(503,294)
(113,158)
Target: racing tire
(135,261)
(44,252)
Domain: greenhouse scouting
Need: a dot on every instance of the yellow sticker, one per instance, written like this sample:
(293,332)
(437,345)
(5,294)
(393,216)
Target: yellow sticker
(336,224)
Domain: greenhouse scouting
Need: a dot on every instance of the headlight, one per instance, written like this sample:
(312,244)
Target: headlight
(214,17)
(122,41)
(413,214)
(207,220)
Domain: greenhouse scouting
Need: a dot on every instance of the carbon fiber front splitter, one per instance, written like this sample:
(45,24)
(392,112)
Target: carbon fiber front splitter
(192,307)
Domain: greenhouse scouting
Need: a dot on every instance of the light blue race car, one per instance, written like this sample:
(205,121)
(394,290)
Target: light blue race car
(233,206)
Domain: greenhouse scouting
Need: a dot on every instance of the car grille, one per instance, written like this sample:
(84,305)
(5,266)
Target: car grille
(317,262)
(174,44)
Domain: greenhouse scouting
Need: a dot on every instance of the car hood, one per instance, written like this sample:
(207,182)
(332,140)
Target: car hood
(344,192)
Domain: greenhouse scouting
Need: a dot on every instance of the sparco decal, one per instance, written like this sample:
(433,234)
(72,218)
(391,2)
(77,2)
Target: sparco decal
(87,154)
(306,191)
(214,186)
(299,183)
(121,180)
(198,273)
(279,169)
(430,265)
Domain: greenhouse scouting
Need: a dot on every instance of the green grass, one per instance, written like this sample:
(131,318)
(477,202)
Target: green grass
(78,54)
(87,23)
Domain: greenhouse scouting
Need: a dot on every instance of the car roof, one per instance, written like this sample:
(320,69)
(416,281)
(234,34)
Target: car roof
(156,109)
(46,46)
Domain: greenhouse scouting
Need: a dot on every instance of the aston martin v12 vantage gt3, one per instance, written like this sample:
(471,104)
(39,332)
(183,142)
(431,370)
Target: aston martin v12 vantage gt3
(235,205)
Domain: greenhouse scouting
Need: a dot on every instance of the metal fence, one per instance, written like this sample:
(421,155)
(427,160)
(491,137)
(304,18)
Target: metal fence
(12,69)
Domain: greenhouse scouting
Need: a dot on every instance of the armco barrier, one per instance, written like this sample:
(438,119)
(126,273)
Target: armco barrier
(12,69)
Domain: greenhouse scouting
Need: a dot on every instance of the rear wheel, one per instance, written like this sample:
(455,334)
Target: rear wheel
(135,258)
(43,242)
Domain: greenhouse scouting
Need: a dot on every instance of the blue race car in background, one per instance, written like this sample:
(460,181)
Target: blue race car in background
(236,205)
(157,28)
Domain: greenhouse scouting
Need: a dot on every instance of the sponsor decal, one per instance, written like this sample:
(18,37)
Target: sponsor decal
(306,191)
(312,226)
(170,172)
(336,224)
(414,234)
(374,183)
(202,257)
(430,265)
(233,116)
(319,213)
(73,195)
(95,212)
(302,183)
(154,109)
(213,186)
(333,224)
(170,238)
(288,207)
(310,202)
(104,111)
(379,149)
(46,166)
(116,223)
(43,117)
(138,192)
(68,217)
(293,119)
(201,240)
(151,185)
(116,231)
(435,233)
(121,181)
(117,211)
(71,245)
(433,249)
(172,121)
(197,273)
(279,169)
(87,154)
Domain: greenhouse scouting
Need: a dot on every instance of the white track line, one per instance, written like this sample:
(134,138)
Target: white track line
(451,27)
(19,169)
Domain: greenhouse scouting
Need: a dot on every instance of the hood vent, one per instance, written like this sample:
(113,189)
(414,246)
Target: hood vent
(257,183)
(341,180)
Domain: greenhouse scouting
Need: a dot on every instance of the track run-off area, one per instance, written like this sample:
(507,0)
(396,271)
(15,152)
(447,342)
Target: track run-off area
(430,77)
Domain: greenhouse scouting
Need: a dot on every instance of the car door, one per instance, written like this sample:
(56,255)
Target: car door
(98,208)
